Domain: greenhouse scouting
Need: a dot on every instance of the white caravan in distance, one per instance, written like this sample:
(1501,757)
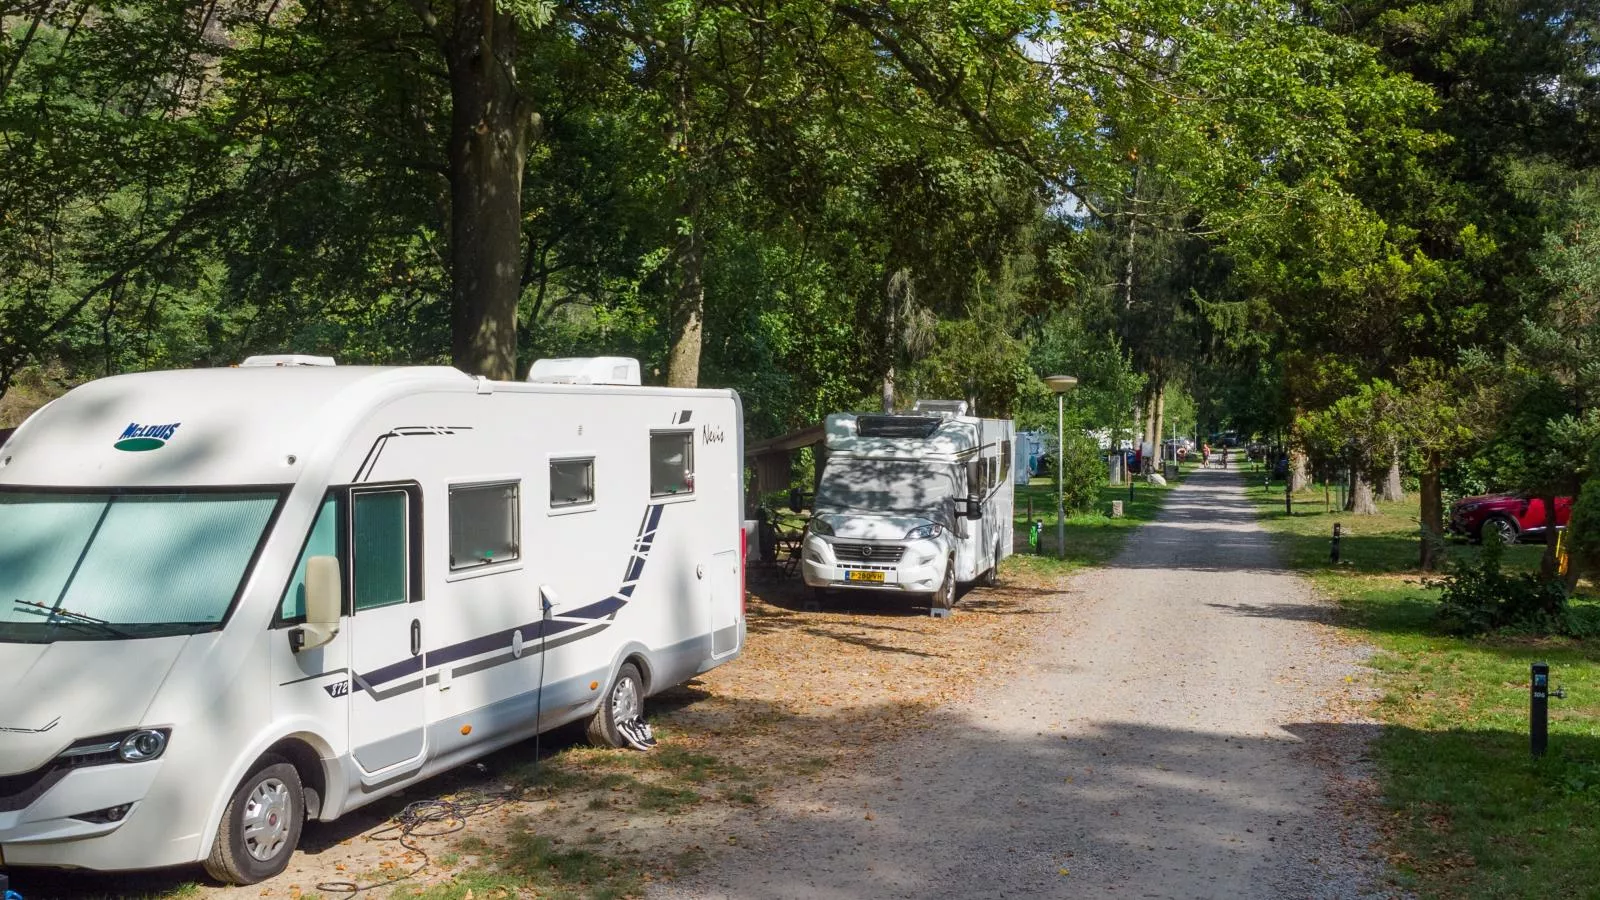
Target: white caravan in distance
(912,503)
(235,599)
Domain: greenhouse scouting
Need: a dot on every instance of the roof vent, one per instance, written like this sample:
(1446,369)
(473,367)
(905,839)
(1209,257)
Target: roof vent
(586,370)
(941,407)
(285,360)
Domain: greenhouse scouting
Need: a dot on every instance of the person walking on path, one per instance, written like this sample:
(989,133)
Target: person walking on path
(1205,455)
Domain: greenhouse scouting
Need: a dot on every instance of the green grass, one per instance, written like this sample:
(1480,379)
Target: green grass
(1473,815)
(532,864)
(1092,536)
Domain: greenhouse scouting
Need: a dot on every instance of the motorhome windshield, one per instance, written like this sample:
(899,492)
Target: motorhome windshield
(104,566)
(889,486)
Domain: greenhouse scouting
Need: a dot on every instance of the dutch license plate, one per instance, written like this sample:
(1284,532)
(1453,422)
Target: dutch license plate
(857,575)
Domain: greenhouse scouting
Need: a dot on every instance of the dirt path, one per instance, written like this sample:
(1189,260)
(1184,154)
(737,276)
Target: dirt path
(1181,733)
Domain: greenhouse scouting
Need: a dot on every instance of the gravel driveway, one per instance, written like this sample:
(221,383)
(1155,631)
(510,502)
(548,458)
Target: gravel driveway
(1181,735)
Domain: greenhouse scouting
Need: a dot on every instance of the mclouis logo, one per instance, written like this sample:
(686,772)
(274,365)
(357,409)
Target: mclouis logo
(138,437)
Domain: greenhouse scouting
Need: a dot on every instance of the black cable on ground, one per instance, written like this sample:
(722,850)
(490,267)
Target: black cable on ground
(425,818)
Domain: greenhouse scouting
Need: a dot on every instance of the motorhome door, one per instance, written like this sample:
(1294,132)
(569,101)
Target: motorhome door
(387,715)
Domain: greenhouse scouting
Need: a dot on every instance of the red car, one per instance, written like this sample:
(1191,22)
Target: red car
(1506,517)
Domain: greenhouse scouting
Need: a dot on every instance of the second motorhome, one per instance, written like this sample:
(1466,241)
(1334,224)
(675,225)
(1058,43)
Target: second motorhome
(232,600)
(915,503)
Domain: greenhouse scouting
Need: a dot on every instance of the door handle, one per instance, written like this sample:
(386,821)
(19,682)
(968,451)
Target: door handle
(416,636)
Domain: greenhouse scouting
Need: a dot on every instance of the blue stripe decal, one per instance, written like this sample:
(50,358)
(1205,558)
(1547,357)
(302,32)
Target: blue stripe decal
(534,631)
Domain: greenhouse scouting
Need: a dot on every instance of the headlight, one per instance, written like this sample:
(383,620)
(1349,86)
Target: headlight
(923,532)
(821,526)
(142,745)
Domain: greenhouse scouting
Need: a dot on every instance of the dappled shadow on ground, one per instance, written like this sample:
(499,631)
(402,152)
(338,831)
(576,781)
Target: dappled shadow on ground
(1129,808)
(1293,612)
(1144,811)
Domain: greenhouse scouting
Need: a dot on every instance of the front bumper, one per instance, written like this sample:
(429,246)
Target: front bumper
(47,830)
(919,568)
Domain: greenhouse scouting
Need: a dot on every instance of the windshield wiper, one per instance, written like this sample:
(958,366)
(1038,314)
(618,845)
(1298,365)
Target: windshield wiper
(59,616)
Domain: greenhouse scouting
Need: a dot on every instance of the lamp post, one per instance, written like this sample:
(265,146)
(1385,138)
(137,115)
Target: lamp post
(1061,384)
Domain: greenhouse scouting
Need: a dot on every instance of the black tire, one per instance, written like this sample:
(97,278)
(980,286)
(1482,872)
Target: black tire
(603,731)
(273,797)
(945,597)
(1501,528)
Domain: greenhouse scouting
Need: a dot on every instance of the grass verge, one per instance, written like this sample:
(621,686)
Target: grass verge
(1471,814)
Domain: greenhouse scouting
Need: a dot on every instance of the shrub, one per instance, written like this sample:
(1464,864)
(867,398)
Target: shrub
(1085,471)
(1479,596)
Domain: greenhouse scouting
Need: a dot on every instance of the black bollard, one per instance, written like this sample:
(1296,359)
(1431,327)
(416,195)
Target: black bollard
(1288,498)
(1539,709)
(1333,553)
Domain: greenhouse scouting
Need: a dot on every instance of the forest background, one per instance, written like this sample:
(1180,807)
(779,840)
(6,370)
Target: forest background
(1365,231)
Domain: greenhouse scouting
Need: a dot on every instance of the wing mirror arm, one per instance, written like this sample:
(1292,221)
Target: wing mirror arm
(324,604)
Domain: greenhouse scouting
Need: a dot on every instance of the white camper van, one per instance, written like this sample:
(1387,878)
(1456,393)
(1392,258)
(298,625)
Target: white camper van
(235,599)
(912,503)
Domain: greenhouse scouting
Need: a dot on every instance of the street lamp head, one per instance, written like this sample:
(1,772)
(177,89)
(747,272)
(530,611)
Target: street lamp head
(1060,383)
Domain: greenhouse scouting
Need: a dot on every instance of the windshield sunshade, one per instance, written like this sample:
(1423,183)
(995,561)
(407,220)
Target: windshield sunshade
(889,487)
(99,565)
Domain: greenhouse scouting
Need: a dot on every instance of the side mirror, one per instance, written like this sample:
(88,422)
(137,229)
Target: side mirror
(324,604)
(974,507)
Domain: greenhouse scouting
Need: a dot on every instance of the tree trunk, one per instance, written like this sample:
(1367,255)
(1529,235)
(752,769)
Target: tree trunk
(1160,417)
(1393,491)
(489,131)
(891,331)
(1361,502)
(1432,537)
(1548,565)
(683,362)
(1299,476)
(688,312)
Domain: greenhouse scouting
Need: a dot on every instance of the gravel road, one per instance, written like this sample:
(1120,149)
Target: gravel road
(1181,734)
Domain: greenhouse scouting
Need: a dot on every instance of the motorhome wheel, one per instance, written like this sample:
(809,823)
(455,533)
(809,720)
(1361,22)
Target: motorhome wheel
(623,702)
(946,596)
(261,826)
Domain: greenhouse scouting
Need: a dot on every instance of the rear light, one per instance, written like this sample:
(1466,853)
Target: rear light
(744,547)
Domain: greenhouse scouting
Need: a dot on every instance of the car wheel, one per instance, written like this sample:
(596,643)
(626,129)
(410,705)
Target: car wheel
(625,701)
(261,826)
(1502,529)
(945,598)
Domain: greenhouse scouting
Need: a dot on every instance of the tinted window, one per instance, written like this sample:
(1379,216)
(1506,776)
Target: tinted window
(379,549)
(483,525)
(324,541)
(671,463)
(571,482)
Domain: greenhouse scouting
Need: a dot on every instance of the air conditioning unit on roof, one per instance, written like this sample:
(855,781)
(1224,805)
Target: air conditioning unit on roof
(285,360)
(941,407)
(586,370)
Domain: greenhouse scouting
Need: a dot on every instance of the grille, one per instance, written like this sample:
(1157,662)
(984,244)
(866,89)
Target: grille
(868,553)
(17,791)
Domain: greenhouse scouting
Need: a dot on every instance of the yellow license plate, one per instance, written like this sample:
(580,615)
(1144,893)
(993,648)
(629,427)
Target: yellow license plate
(855,575)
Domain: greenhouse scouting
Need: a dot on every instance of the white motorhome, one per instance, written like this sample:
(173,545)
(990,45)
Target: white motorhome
(234,599)
(913,503)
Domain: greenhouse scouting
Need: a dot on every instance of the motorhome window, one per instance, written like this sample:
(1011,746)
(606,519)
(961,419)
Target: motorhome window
(671,463)
(379,548)
(900,487)
(324,541)
(1005,460)
(483,525)
(94,566)
(571,482)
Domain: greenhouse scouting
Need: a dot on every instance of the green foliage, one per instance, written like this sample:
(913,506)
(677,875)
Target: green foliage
(1479,596)
(1084,471)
